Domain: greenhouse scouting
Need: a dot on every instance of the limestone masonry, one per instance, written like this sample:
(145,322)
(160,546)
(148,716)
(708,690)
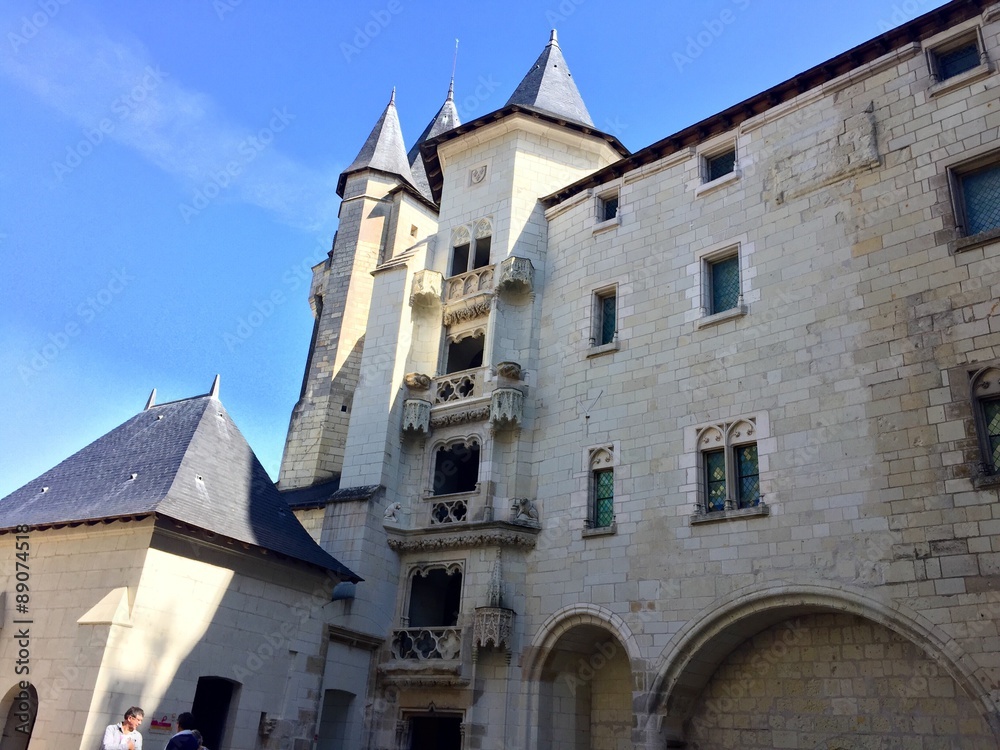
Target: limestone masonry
(697,446)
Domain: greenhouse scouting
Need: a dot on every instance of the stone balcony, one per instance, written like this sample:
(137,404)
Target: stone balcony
(432,656)
(475,395)
(468,296)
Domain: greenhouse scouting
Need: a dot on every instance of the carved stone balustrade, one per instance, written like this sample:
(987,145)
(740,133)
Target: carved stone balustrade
(426,289)
(426,644)
(515,275)
(449,511)
(468,296)
(458,385)
(416,417)
(478,281)
(493,627)
(506,407)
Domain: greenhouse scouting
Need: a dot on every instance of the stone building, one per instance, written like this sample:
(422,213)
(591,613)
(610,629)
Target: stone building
(160,567)
(689,447)
(696,446)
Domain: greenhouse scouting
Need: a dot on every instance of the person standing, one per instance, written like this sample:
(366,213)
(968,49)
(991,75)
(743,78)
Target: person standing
(125,735)
(186,738)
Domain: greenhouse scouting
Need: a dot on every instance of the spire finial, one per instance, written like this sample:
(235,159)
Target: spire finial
(392,98)
(554,38)
(214,393)
(151,401)
(454,64)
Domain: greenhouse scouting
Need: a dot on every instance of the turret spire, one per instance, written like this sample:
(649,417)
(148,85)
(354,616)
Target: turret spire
(445,119)
(384,149)
(549,86)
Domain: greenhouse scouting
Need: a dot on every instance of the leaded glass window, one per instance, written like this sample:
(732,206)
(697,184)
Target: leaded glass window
(747,476)
(608,321)
(956,61)
(604,498)
(609,208)
(720,165)
(981,197)
(715,480)
(991,415)
(724,280)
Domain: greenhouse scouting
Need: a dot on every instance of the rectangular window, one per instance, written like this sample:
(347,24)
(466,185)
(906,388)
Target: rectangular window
(723,284)
(991,420)
(955,61)
(979,199)
(460,259)
(720,165)
(747,476)
(604,498)
(608,318)
(715,480)
(607,207)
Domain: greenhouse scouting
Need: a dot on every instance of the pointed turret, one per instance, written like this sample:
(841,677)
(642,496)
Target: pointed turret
(549,87)
(445,119)
(383,151)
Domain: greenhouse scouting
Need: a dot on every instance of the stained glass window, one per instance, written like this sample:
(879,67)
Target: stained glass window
(715,480)
(748,476)
(604,498)
(981,194)
(725,284)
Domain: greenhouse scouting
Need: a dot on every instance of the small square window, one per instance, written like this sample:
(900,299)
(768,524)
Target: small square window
(720,165)
(723,284)
(607,207)
(605,317)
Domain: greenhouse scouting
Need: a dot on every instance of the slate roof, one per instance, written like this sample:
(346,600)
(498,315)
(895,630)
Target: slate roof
(445,119)
(549,87)
(384,149)
(184,460)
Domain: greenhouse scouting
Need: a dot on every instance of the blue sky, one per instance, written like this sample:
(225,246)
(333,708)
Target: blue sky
(168,170)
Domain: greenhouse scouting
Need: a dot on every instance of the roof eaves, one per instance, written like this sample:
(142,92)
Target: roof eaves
(914,31)
(429,147)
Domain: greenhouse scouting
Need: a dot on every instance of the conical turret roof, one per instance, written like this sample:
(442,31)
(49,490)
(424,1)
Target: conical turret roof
(445,119)
(384,149)
(549,86)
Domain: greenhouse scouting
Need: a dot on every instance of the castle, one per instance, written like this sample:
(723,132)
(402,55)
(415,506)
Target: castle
(696,446)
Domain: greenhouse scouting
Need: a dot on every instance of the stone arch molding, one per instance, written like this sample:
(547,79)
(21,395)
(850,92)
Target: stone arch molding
(569,617)
(691,658)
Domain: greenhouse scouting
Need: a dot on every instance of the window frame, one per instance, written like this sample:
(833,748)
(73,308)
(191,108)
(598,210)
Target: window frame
(599,460)
(957,173)
(599,298)
(984,388)
(726,438)
(950,41)
(470,236)
(450,444)
(710,151)
(707,259)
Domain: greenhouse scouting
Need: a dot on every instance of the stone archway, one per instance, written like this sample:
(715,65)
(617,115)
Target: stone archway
(585,693)
(812,668)
(580,677)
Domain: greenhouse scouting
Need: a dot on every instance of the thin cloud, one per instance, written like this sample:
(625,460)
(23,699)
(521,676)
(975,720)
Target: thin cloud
(93,79)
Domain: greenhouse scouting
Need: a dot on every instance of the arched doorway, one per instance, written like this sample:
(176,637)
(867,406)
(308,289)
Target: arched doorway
(585,692)
(22,703)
